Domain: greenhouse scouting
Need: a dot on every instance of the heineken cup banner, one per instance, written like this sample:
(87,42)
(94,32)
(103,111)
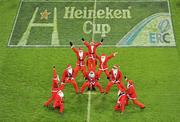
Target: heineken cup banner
(127,23)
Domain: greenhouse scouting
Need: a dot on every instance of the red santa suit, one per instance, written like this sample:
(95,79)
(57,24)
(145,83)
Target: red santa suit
(92,80)
(54,87)
(58,102)
(80,65)
(68,77)
(115,78)
(91,62)
(120,105)
(103,66)
(131,93)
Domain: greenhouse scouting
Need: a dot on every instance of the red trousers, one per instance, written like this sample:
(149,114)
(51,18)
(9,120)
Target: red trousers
(58,103)
(73,82)
(105,71)
(136,102)
(80,68)
(50,99)
(91,63)
(119,85)
(88,84)
(121,105)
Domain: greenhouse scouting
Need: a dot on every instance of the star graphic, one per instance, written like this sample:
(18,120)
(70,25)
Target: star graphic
(45,14)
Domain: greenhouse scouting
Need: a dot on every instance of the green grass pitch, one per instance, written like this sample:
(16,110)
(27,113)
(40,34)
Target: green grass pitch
(26,73)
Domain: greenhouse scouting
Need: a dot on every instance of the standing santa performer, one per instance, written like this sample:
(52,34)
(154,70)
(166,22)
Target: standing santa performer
(103,66)
(121,102)
(92,81)
(131,93)
(80,65)
(91,62)
(115,78)
(68,77)
(58,102)
(54,87)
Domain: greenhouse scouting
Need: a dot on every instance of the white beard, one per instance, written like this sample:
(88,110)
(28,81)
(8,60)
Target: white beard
(81,54)
(115,71)
(92,49)
(103,58)
(61,94)
(70,70)
(91,75)
(128,85)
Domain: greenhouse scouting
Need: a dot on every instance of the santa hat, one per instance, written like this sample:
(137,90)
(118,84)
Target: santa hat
(103,54)
(115,66)
(80,48)
(68,66)
(54,72)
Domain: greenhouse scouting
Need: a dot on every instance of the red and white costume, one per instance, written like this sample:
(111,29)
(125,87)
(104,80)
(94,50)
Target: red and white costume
(121,102)
(131,93)
(58,102)
(80,65)
(103,66)
(54,87)
(68,77)
(91,62)
(92,80)
(115,78)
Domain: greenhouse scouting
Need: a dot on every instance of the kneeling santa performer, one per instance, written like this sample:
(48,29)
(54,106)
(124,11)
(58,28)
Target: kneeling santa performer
(68,77)
(92,81)
(131,93)
(121,102)
(58,102)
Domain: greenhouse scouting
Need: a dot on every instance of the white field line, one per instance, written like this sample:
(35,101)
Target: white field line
(169,8)
(96,1)
(15,22)
(24,38)
(89,93)
(55,39)
(89,106)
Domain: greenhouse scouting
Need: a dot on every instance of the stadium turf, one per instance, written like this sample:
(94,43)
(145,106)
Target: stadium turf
(26,73)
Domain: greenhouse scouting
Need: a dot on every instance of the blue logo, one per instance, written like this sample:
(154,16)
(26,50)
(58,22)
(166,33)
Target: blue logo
(163,34)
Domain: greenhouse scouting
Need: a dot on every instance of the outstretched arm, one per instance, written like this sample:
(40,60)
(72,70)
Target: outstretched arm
(85,42)
(73,48)
(63,77)
(112,55)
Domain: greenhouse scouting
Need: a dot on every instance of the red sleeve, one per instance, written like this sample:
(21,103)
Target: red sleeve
(63,76)
(98,44)
(111,56)
(98,57)
(120,75)
(73,75)
(86,44)
(75,50)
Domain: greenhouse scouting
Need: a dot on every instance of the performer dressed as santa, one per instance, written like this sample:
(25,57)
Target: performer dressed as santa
(115,79)
(121,102)
(68,77)
(54,87)
(58,102)
(131,93)
(92,46)
(81,55)
(103,66)
(92,81)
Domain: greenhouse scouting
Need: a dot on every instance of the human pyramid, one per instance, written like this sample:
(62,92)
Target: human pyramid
(92,77)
